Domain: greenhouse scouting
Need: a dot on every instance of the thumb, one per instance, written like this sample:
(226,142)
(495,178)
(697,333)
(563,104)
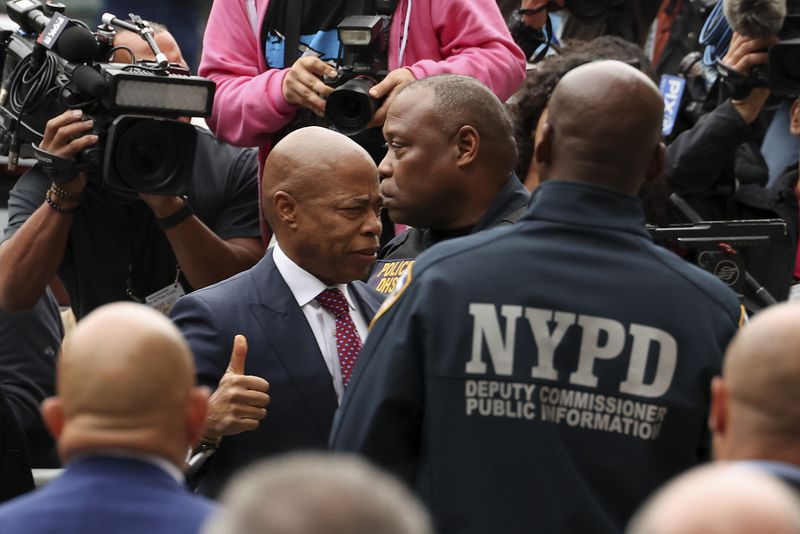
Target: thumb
(238,355)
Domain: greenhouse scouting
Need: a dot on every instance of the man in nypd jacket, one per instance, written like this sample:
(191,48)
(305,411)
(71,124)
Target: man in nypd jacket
(549,375)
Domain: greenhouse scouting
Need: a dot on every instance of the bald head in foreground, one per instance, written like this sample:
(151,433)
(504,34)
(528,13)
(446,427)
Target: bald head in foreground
(126,412)
(302,308)
(126,380)
(603,127)
(317,493)
(720,499)
(755,412)
(549,375)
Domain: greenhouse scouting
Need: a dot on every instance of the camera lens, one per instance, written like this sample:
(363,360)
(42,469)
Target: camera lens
(350,108)
(149,155)
(143,156)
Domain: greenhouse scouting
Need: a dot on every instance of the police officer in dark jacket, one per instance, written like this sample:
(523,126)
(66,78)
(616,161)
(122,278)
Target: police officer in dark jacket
(547,376)
(448,169)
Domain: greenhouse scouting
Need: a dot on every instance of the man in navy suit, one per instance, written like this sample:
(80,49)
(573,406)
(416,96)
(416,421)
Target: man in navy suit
(126,412)
(299,309)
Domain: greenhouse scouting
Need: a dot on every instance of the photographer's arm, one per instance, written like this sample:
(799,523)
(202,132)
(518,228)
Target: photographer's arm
(249,105)
(30,258)
(203,256)
(696,156)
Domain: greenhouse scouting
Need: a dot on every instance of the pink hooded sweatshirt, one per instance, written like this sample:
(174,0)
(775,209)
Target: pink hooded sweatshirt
(466,37)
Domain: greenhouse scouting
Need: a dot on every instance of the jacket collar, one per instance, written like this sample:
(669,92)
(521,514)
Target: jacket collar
(512,196)
(587,205)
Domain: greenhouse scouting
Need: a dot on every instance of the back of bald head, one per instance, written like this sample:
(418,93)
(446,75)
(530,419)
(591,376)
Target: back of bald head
(606,119)
(124,364)
(462,100)
(762,374)
(316,493)
(304,164)
(720,499)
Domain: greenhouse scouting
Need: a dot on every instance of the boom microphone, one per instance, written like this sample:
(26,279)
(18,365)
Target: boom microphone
(755,18)
(76,44)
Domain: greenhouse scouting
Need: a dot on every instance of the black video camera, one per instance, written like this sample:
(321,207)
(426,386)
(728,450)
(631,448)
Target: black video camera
(365,40)
(53,63)
(782,75)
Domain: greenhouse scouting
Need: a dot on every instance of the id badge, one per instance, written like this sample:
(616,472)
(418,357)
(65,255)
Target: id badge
(164,299)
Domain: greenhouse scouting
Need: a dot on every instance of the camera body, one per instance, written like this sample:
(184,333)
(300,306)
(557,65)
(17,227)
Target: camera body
(782,72)
(142,146)
(365,40)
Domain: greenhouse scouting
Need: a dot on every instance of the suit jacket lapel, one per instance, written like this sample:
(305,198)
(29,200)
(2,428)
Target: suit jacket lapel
(287,330)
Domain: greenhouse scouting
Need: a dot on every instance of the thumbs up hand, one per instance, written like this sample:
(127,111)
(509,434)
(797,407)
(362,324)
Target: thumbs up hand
(239,402)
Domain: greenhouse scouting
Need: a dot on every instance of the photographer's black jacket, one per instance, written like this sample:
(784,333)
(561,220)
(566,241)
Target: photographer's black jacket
(117,251)
(400,252)
(545,376)
(700,170)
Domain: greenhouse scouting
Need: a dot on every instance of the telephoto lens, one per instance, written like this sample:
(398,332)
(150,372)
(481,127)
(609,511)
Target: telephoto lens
(350,108)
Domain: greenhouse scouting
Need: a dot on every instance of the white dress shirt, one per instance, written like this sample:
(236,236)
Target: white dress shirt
(305,288)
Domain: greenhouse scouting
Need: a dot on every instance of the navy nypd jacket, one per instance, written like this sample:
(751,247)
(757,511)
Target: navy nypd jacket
(542,377)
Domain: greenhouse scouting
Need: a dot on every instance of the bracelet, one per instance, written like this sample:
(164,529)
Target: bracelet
(65,195)
(208,444)
(176,218)
(53,204)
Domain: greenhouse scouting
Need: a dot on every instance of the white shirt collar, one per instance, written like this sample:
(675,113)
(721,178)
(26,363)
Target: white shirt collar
(305,287)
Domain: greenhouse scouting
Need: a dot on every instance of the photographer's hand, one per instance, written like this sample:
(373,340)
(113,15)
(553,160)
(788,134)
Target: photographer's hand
(388,88)
(30,258)
(64,135)
(743,54)
(162,205)
(303,85)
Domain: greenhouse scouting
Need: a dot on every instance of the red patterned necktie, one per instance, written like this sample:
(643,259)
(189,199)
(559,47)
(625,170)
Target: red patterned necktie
(348,342)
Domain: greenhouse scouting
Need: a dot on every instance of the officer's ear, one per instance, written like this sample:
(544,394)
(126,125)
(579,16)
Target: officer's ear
(657,163)
(285,207)
(718,417)
(543,151)
(467,145)
(794,117)
(53,415)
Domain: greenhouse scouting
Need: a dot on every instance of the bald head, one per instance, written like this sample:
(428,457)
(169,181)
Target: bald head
(315,493)
(125,377)
(321,199)
(756,405)
(307,163)
(603,127)
(720,499)
(463,100)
